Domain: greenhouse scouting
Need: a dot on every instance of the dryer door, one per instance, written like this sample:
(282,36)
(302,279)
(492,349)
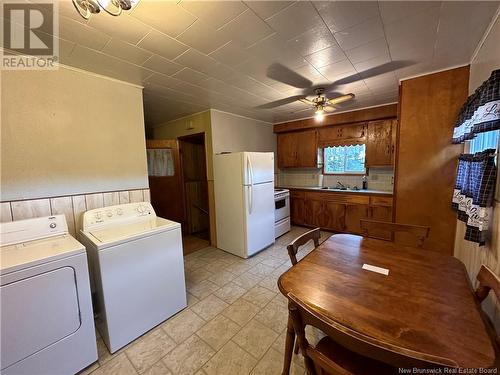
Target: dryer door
(36,312)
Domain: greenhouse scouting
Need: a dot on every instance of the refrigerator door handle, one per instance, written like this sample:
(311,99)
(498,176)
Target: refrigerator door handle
(250,178)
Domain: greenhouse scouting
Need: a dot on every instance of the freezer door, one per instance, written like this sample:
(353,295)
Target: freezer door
(259,205)
(258,167)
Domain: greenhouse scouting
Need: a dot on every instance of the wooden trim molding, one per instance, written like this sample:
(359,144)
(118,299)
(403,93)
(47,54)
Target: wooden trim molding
(368,114)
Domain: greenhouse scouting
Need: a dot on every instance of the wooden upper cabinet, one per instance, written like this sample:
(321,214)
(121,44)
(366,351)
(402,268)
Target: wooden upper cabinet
(341,134)
(380,143)
(298,149)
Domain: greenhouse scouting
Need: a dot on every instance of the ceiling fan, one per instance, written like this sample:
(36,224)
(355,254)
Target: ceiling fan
(323,100)
(322,104)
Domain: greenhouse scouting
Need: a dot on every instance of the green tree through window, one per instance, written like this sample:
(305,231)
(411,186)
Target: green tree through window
(344,159)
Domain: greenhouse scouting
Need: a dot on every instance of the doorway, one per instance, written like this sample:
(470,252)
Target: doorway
(193,160)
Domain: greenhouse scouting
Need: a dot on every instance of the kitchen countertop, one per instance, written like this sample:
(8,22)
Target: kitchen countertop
(316,188)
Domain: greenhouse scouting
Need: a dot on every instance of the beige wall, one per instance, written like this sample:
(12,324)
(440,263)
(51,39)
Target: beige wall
(487,60)
(68,132)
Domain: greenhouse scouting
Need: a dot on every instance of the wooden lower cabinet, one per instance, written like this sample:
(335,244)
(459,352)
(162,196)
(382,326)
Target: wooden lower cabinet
(338,212)
(354,213)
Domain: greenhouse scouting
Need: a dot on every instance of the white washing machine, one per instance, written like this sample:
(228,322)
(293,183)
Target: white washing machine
(47,323)
(137,267)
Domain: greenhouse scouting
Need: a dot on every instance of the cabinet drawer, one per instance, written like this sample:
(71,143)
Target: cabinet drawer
(381,201)
(297,194)
(339,198)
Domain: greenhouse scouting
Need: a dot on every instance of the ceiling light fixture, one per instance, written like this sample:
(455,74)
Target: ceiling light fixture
(114,7)
(319,114)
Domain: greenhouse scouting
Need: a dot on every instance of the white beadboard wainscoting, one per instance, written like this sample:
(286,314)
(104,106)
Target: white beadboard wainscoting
(72,206)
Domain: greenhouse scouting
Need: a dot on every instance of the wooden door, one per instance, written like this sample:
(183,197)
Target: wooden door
(381,213)
(379,146)
(334,216)
(287,151)
(167,193)
(354,213)
(307,149)
(315,215)
(297,208)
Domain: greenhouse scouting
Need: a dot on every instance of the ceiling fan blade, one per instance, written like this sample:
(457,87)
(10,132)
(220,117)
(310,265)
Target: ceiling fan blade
(281,73)
(280,102)
(340,99)
(328,109)
(303,110)
(372,72)
(306,101)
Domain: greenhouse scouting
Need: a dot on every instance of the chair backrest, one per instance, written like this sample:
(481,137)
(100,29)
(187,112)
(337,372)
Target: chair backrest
(294,246)
(303,315)
(419,231)
(488,281)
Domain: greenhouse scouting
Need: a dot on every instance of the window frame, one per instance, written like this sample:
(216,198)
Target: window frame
(361,173)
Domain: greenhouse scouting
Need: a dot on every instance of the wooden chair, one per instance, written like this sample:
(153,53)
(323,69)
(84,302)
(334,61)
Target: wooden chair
(294,246)
(419,231)
(489,281)
(344,351)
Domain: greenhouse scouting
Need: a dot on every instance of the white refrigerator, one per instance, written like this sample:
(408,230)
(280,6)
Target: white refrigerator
(244,201)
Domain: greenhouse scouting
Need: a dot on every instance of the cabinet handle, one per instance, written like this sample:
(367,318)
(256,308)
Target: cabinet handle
(392,149)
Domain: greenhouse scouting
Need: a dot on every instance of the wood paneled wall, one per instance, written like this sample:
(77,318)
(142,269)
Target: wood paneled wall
(72,206)
(426,160)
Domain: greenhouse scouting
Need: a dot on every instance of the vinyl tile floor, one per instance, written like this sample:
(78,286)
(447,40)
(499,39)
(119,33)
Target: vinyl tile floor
(234,324)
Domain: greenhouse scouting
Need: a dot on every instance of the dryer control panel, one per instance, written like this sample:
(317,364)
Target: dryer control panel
(119,214)
(32,229)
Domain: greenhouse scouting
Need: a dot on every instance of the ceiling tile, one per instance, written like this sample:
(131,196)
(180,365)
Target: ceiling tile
(255,68)
(196,60)
(65,49)
(230,54)
(162,65)
(274,49)
(313,40)
(326,56)
(126,51)
(67,9)
(165,16)
(124,27)
(247,28)
(295,20)
(163,45)
(190,75)
(82,34)
(337,70)
(358,35)
(203,38)
(392,11)
(161,79)
(372,63)
(473,18)
(221,71)
(368,51)
(215,13)
(100,63)
(340,15)
(265,9)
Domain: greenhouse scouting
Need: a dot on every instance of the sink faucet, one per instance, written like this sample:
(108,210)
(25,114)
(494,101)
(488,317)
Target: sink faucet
(341,185)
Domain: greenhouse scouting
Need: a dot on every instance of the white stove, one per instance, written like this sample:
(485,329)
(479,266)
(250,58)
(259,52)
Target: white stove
(281,212)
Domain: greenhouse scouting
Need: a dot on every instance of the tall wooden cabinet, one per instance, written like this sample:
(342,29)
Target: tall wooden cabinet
(298,149)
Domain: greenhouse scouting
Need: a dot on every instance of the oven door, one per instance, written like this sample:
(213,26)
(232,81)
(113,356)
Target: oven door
(281,208)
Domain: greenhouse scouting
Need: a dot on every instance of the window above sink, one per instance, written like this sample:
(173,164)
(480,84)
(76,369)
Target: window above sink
(344,159)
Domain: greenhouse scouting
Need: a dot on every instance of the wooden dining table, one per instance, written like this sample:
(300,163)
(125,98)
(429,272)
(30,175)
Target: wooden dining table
(424,307)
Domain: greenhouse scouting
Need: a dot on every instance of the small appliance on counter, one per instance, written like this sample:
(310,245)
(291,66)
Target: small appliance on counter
(137,267)
(281,212)
(46,311)
(244,201)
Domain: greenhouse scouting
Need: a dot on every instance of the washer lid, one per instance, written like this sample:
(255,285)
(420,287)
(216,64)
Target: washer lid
(114,235)
(32,253)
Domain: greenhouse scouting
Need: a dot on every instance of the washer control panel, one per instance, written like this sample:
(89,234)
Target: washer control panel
(117,214)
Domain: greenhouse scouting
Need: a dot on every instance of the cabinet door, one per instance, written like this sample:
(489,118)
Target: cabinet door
(379,143)
(339,134)
(334,216)
(314,214)
(307,149)
(381,213)
(354,213)
(297,210)
(286,150)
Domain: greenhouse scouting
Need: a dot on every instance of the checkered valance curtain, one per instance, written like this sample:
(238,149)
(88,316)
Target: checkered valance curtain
(474,191)
(481,111)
